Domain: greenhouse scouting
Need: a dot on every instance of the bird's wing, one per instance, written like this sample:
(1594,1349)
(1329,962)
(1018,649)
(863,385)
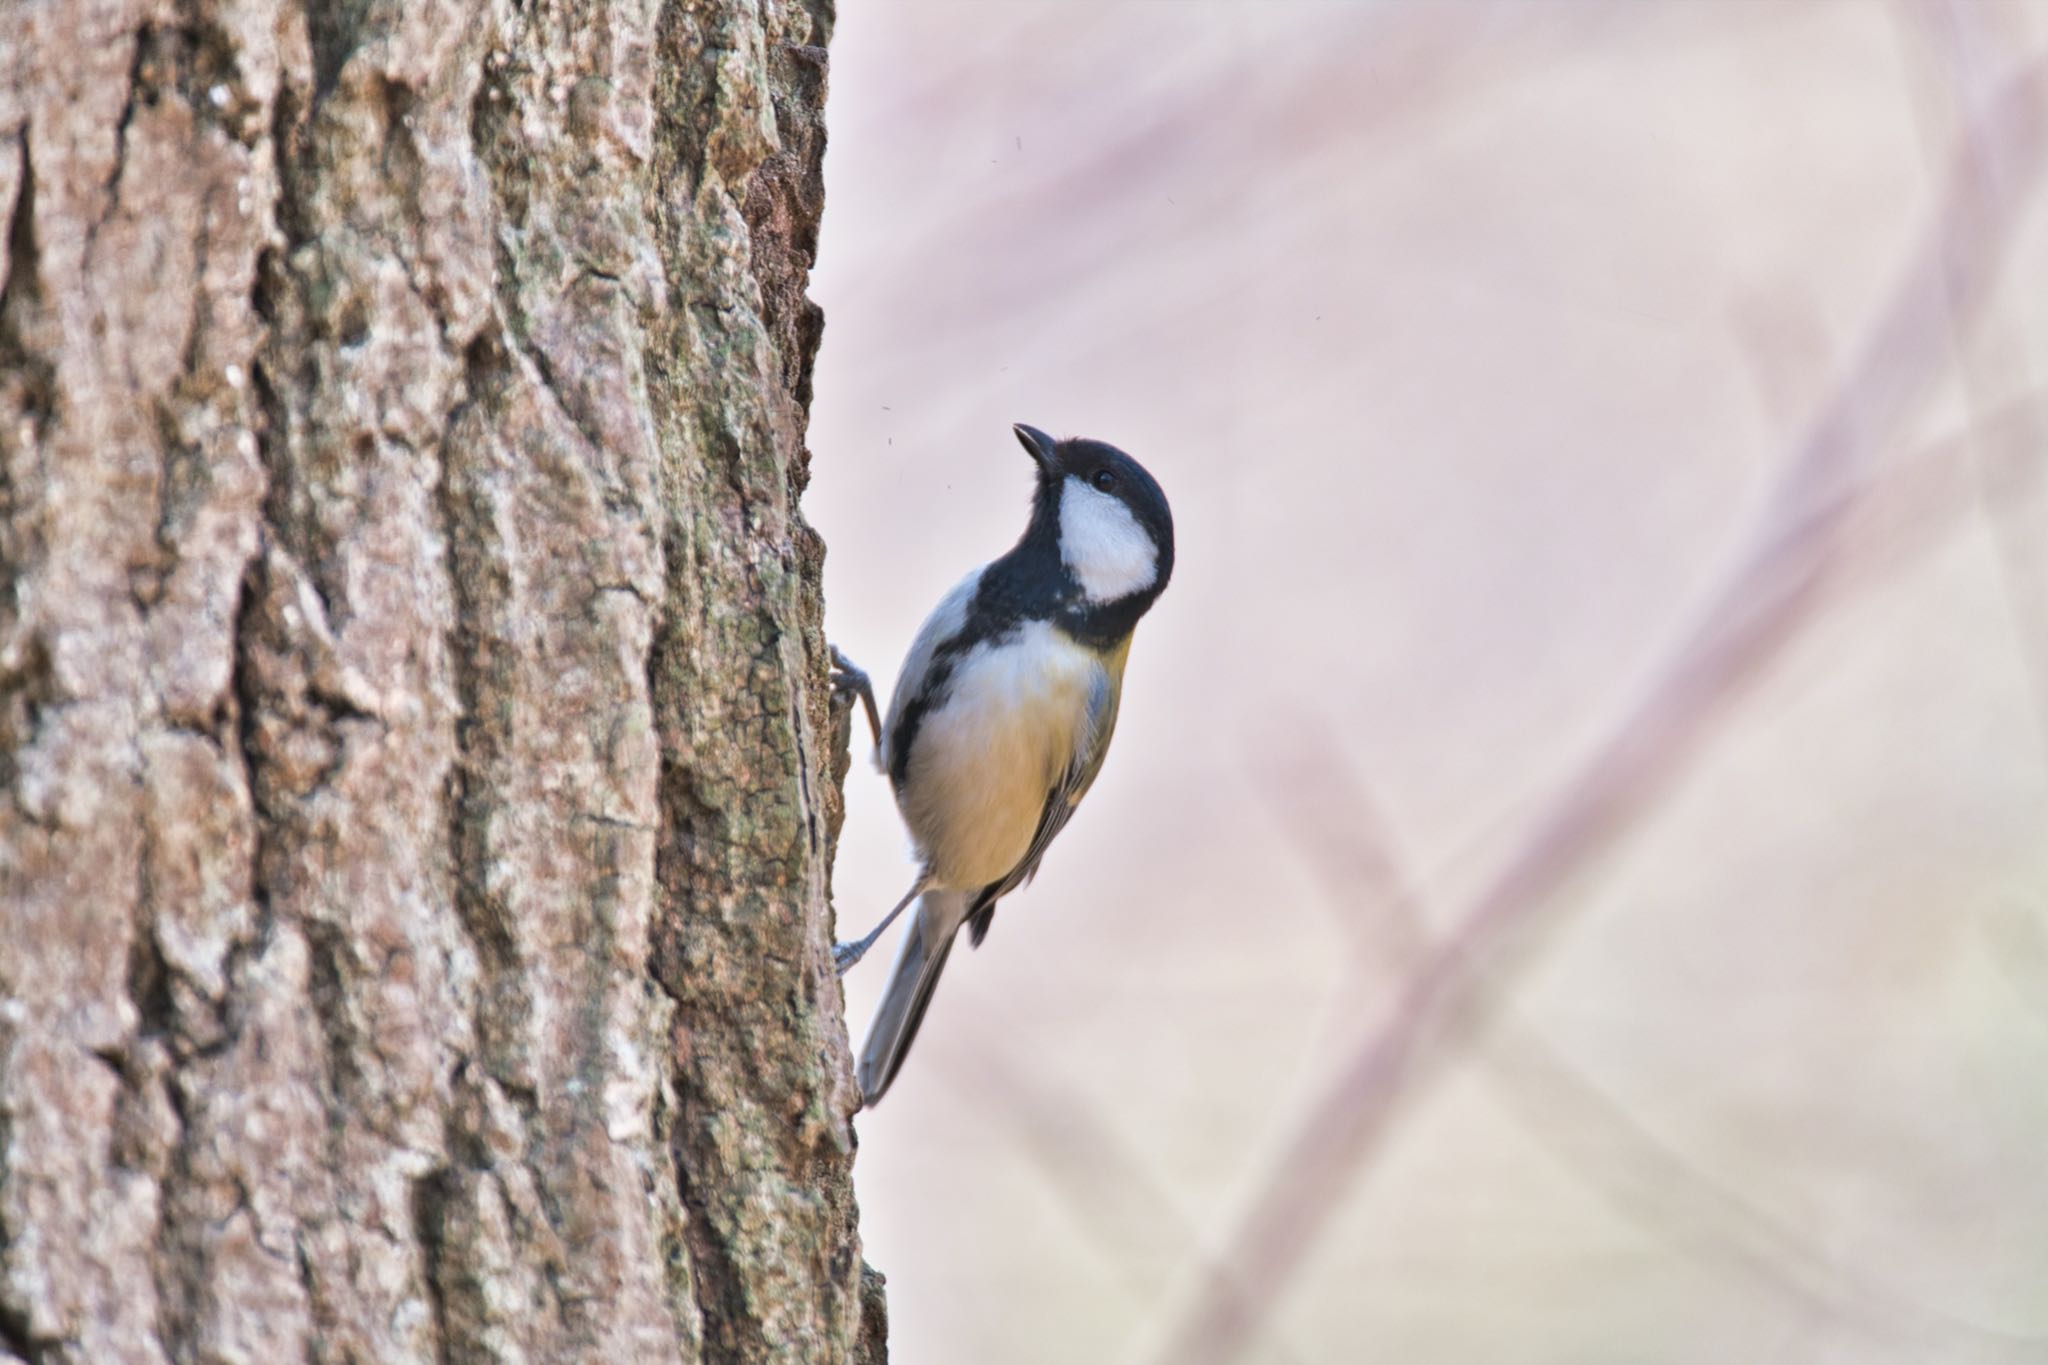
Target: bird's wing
(912,695)
(1091,744)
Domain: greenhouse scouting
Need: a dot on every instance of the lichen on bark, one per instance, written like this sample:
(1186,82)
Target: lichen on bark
(420,786)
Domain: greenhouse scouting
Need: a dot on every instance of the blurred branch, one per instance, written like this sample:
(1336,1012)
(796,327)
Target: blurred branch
(1956,41)
(1331,816)
(1104,1184)
(1766,598)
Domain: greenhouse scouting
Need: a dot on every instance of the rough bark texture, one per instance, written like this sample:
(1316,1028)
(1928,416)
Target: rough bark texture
(419,784)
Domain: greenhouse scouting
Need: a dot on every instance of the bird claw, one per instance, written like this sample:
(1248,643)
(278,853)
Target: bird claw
(849,682)
(844,955)
(847,679)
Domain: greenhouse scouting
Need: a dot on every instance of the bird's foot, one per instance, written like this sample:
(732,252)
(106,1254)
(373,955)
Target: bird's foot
(844,955)
(849,682)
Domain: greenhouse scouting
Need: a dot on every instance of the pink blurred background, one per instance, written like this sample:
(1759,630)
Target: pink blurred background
(1467,339)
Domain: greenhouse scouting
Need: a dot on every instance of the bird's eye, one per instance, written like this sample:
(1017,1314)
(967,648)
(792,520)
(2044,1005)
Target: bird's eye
(1105,479)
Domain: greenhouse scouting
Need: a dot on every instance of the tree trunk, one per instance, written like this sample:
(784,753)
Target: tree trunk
(420,785)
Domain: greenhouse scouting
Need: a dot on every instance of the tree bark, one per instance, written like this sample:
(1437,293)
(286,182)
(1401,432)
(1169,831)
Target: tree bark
(420,782)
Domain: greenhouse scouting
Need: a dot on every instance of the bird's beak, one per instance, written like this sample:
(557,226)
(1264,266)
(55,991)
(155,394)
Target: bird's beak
(1038,445)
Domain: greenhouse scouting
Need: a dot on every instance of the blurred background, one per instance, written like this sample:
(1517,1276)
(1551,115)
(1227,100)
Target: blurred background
(1503,362)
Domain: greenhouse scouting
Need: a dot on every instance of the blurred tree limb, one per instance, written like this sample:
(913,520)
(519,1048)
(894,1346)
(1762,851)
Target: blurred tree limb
(1772,590)
(1329,814)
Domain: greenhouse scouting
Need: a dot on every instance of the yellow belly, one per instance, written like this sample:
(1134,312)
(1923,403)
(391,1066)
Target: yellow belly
(982,763)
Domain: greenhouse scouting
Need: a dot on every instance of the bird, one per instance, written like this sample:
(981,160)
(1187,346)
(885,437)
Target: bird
(1003,712)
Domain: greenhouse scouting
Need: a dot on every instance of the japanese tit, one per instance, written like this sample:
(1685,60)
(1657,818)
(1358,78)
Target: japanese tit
(1004,708)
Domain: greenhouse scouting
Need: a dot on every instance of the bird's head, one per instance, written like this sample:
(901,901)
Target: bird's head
(1104,515)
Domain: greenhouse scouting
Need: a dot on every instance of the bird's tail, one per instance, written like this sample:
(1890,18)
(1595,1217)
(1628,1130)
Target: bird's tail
(918,964)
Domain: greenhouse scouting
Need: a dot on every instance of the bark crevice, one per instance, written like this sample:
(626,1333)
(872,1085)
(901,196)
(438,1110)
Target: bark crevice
(410,692)
(28,375)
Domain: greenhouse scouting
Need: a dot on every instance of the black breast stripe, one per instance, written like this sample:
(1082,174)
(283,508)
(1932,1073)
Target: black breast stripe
(1017,588)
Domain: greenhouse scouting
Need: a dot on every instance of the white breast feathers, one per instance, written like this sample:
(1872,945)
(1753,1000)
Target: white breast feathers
(983,762)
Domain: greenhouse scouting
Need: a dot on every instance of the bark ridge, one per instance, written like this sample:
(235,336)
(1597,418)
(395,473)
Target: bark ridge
(419,783)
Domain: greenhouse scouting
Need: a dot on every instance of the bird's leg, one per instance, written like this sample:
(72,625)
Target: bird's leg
(844,955)
(849,682)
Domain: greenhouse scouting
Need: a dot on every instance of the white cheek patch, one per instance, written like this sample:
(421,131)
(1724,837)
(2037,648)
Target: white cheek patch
(1104,547)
